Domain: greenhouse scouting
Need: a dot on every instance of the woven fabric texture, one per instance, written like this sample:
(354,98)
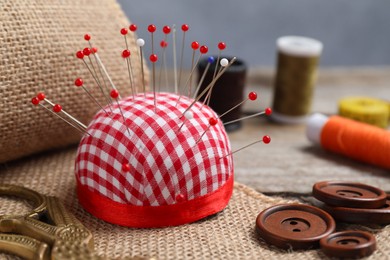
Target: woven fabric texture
(39,40)
(165,162)
(227,235)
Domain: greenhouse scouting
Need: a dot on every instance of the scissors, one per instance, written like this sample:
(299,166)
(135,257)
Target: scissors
(48,231)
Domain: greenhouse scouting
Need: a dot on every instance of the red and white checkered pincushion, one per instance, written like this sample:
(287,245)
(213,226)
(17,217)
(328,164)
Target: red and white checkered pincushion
(147,172)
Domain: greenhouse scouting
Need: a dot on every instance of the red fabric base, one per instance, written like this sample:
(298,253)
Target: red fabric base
(158,216)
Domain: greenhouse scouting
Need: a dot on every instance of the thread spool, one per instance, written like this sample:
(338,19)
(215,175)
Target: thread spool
(368,110)
(228,90)
(295,78)
(351,138)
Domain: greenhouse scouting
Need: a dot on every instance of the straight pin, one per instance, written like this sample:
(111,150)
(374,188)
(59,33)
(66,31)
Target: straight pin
(79,83)
(174,58)
(153,58)
(266,139)
(36,101)
(140,43)
(267,111)
(115,94)
(211,84)
(210,60)
(184,28)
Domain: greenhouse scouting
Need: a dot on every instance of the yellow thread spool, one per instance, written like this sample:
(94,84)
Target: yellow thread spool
(295,78)
(364,109)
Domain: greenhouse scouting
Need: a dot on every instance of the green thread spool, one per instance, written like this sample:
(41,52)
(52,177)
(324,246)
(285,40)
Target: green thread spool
(295,78)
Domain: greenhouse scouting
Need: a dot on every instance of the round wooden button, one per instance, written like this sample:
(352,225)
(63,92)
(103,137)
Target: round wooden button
(295,226)
(349,194)
(348,244)
(361,216)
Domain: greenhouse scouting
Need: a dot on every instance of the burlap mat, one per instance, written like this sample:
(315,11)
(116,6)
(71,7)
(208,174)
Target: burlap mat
(227,235)
(38,43)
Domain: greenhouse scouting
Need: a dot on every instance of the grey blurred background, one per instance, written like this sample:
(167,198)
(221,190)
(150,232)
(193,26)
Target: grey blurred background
(354,33)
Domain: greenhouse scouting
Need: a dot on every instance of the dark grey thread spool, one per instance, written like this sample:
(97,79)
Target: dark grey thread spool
(228,90)
(295,79)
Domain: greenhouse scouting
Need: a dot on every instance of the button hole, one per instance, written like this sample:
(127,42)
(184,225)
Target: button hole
(296,230)
(293,223)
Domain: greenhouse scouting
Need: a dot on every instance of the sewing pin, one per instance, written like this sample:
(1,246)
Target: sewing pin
(79,83)
(140,43)
(211,84)
(152,29)
(184,28)
(163,44)
(153,58)
(210,60)
(266,139)
(267,111)
(212,122)
(115,94)
(174,58)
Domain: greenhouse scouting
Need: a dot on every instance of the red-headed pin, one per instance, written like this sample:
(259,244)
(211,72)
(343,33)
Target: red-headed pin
(153,58)
(152,28)
(184,28)
(267,112)
(266,139)
(115,95)
(80,83)
(212,122)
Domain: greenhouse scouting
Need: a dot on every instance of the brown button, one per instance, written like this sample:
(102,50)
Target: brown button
(294,226)
(348,244)
(361,216)
(349,194)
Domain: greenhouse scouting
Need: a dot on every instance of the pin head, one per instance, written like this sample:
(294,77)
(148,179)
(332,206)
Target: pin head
(211,59)
(35,101)
(185,27)
(87,51)
(151,28)
(204,49)
(195,45)
(166,29)
(213,121)
(126,167)
(189,115)
(80,55)
(94,50)
(41,96)
(125,53)
(224,62)
(78,82)
(114,93)
(221,46)
(57,108)
(140,42)
(124,31)
(163,44)
(180,198)
(133,27)
(266,139)
(268,111)
(87,37)
(153,58)
(252,96)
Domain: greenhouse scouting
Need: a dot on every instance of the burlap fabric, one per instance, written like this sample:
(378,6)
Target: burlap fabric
(38,42)
(227,235)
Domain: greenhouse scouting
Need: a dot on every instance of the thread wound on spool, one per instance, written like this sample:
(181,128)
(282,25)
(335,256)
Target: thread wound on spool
(295,78)
(368,110)
(357,140)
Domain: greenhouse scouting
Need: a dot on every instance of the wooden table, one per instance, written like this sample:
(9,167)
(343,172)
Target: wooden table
(290,163)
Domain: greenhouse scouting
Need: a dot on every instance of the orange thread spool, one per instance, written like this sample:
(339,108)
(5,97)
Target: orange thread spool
(354,139)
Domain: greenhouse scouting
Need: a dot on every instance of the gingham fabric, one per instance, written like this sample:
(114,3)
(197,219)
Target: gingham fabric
(166,163)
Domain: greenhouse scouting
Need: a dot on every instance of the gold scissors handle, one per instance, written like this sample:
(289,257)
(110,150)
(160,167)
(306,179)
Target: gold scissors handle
(28,236)
(26,232)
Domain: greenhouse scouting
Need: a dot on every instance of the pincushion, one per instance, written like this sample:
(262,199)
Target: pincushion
(159,167)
